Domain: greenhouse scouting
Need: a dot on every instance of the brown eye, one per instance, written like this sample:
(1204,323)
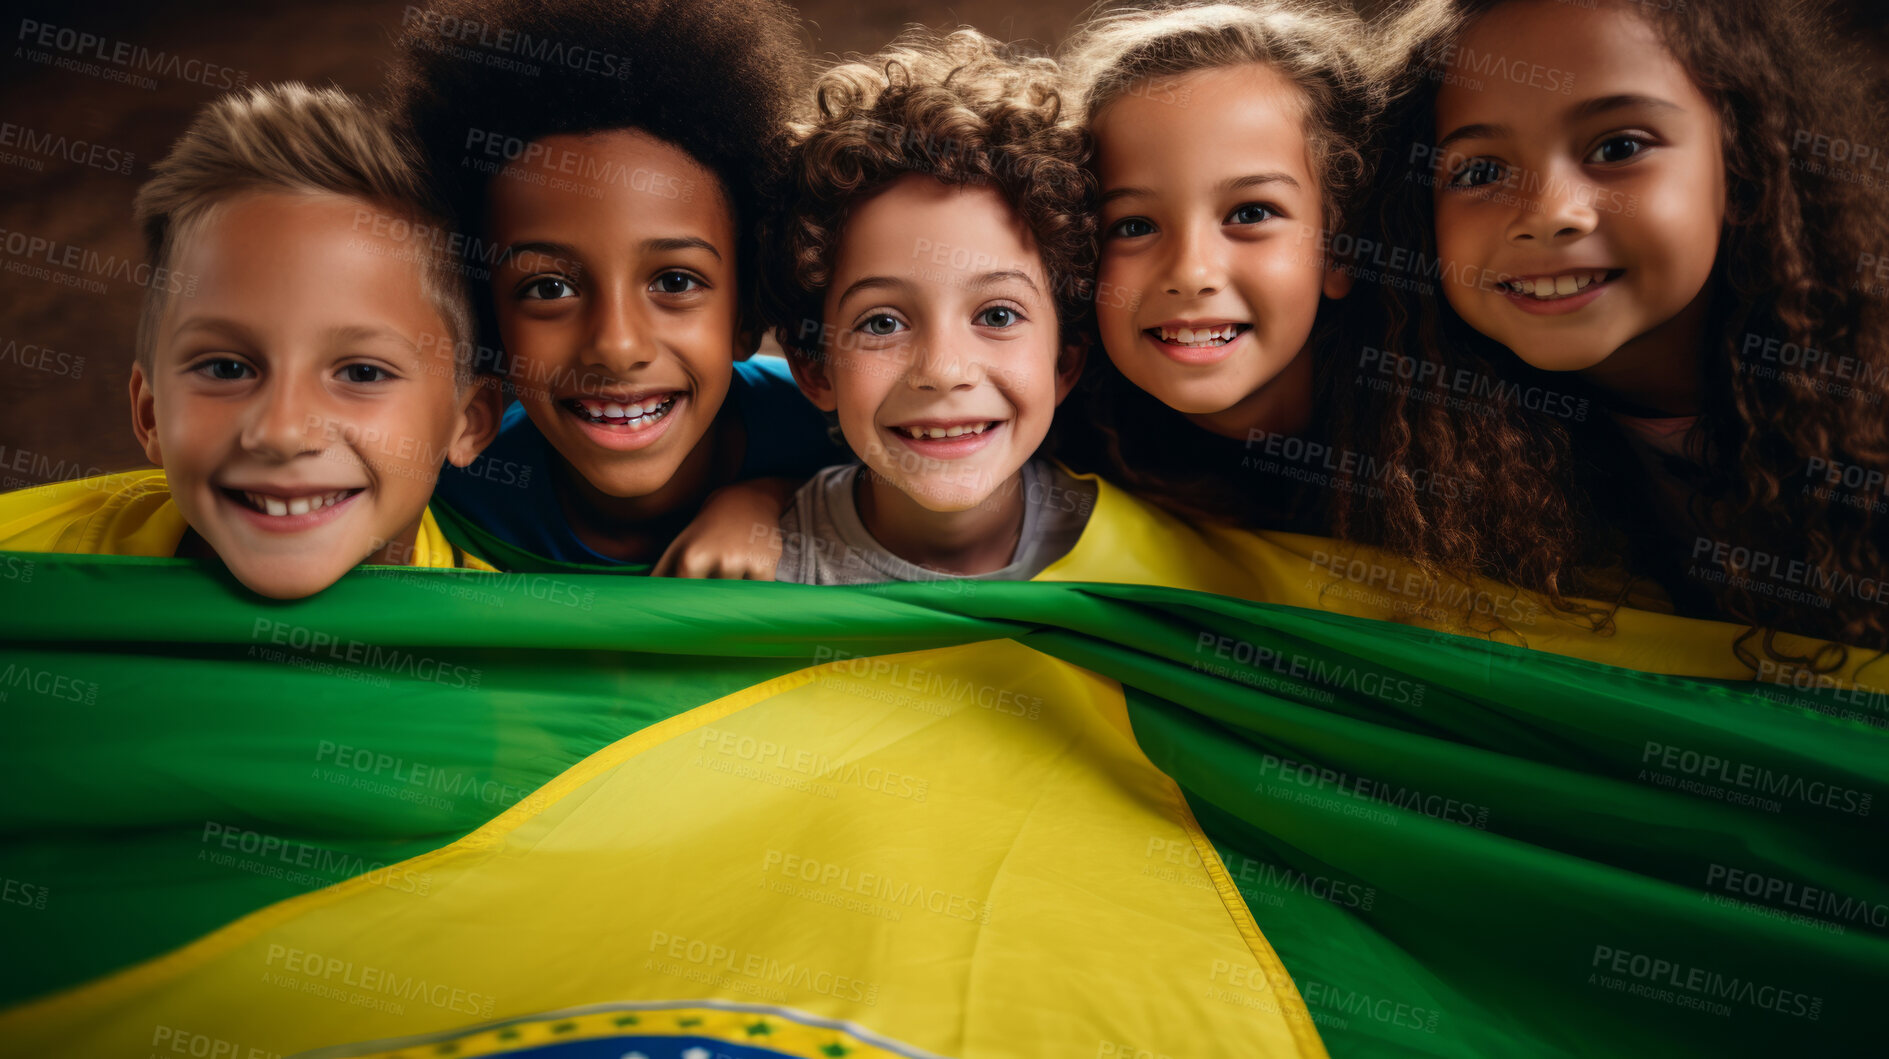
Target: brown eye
(547,288)
(365,373)
(1617,149)
(1251,213)
(1130,228)
(675,283)
(1477,172)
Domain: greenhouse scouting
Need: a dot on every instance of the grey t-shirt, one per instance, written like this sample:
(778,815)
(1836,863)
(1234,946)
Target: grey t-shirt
(823,542)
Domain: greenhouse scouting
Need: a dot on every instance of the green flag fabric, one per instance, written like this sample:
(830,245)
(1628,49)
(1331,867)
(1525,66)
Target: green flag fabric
(1455,847)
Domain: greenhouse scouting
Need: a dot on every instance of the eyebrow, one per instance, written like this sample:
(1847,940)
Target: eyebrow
(987,279)
(557,250)
(991,279)
(563,252)
(679,242)
(340,335)
(1585,109)
(223,324)
(1603,104)
(1240,183)
(1259,180)
(350,333)
(873,283)
(1124,193)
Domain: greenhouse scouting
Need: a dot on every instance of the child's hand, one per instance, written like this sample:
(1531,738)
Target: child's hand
(736,535)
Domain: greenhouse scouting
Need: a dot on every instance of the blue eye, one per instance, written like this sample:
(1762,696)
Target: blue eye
(880,325)
(1130,228)
(999,316)
(365,373)
(676,282)
(1476,173)
(547,288)
(1617,149)
(1251,213)
(224,369)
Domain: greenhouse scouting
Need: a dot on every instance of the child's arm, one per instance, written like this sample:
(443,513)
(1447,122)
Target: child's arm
(736,535)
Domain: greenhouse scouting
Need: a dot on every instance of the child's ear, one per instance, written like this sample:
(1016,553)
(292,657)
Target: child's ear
(811,375)
(144,414)
(478,420)
(1337,280)
(748,337)
(1069,368)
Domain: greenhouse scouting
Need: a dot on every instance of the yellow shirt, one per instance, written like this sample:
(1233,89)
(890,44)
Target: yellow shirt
(133,514)
(1130,541)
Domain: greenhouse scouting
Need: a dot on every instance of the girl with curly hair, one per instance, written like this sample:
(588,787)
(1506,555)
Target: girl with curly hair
(933,264)
(1232,142)
(1636,203)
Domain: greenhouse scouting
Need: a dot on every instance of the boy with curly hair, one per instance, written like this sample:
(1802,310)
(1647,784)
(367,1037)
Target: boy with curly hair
(606,161)
(934,272)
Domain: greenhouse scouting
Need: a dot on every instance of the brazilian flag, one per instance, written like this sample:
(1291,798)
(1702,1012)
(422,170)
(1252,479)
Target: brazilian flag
(449,813)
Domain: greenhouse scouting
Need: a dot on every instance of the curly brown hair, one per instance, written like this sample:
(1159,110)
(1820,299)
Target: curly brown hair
(1550,504)
(959,108)
(1326,52)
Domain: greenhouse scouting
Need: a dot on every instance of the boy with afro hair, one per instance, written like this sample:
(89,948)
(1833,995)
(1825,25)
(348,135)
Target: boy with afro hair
(606,162)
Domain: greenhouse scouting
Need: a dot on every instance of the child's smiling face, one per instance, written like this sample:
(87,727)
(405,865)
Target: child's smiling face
(943,355)
(301,396)
(1211,222)
(1574,224)
(616,301)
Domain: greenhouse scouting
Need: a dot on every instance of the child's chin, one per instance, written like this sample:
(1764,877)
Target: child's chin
(1561,353)
(945,500)
(284,579)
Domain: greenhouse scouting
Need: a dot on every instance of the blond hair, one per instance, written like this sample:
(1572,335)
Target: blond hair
(1323,49)
(296,139)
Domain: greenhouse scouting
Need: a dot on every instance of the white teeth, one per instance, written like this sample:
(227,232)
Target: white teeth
(1200,336)
(299,505)
(1547,287)
(639,414)
(924,433)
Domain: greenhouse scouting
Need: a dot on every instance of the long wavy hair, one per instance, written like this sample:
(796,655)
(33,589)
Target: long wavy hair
(1550,504)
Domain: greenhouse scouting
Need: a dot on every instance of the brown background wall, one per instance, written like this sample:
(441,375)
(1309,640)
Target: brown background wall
(65,350)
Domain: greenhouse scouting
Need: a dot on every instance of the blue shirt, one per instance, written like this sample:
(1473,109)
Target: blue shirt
(509,490)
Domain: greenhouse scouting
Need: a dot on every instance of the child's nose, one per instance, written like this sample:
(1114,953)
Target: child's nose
(945,362)
(284,423)
(621,339)
(1194,267)
(1552,207)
